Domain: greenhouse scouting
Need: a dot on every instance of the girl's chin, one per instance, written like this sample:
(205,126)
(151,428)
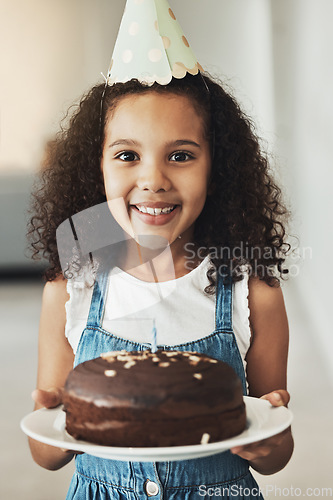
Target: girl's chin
(156,238)
(159,239)
(143,236)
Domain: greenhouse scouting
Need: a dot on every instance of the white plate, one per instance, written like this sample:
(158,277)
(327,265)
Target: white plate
(263,421)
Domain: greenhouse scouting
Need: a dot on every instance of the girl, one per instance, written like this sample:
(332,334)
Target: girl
(186,164)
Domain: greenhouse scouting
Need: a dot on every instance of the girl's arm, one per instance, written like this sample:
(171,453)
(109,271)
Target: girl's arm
(267,372)
(55,360)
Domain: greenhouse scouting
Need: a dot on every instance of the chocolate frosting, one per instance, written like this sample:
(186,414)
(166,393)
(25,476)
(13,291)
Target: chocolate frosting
(177,383)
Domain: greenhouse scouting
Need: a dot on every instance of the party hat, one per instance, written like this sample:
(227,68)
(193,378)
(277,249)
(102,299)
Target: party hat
(151,45)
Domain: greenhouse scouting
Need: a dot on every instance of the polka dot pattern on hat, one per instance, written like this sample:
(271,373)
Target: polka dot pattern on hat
(172,15)
(151,45)
(155,55)
(166,42)
(179,70)
(127,56)
(185,41)
(134,28)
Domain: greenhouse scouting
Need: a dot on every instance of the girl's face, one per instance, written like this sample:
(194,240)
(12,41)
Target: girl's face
(156,166)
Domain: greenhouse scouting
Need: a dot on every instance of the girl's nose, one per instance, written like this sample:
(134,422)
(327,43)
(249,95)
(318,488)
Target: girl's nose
(152,178)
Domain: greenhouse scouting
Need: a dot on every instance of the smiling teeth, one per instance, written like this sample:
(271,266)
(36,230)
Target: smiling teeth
(155,211)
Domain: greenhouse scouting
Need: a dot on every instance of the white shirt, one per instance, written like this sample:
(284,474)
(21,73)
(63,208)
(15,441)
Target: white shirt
(181,310)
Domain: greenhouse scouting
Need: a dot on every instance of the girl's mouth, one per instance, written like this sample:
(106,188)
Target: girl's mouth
(155,211)
(155,215)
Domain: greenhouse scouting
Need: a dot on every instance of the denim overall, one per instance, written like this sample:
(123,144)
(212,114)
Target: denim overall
(219,476)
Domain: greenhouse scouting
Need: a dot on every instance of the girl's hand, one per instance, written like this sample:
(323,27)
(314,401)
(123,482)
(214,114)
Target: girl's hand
(50,398)
(265,447)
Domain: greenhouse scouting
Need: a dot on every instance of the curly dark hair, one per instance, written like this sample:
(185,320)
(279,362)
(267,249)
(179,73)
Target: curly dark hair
(243,220)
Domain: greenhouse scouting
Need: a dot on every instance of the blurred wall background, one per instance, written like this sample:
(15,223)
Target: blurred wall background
(276,55)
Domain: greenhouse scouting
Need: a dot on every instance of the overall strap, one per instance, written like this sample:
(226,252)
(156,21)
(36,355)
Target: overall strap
(97,305)
(223,310)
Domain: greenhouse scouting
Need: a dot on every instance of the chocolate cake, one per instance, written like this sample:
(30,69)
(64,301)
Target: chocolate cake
(143,399)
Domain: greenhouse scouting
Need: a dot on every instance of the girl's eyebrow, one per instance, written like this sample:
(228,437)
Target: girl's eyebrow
(124,142)
(184,142)
(179,142)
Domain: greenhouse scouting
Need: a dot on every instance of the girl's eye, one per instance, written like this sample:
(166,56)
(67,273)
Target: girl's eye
(181,156)
(127,156)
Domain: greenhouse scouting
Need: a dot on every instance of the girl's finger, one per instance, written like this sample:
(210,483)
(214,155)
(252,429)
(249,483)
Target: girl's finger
(260,448)
(277,398)
(73,452)
(49,398)
(251,454)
